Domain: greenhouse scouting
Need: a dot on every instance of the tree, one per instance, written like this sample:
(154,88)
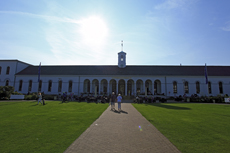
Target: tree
(6,91)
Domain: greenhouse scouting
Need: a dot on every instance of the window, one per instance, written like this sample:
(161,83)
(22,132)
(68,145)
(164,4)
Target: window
(197,87)
(174,87)
(20,85)
(0,69)
(220,87)
(186,87)
(59,85)
(30,86)
(7,83)
(209,88)
(40,86)
(70,86)
(50,86)
(121,57)
(8,70)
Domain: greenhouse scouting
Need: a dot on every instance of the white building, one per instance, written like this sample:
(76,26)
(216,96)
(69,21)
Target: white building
(126,79)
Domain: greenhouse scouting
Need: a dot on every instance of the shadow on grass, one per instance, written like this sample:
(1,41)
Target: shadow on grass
(169,106)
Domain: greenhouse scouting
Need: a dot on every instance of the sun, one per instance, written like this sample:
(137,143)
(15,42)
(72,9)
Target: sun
(93,30)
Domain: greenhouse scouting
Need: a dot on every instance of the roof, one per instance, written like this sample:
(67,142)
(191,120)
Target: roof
(128,70)
(13,60)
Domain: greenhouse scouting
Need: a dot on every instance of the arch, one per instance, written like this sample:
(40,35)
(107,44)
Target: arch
(220,87)
(50,86)
(139,86)
(197,87)
(95,86)
(209,87)
(20,85)
(40,86)
(121,87)
(113,86)
(157,87)
(8,70)
(70,86)
(148,85)
(174,87)
(86,87)
(104,86)
(7,83)
(30,86)
(186,88)
(59,85)
(130,87)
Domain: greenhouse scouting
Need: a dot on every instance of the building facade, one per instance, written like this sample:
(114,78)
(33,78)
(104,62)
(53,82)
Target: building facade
(121,78)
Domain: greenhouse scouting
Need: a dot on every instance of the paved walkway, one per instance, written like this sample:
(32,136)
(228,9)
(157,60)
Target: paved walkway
(127,131)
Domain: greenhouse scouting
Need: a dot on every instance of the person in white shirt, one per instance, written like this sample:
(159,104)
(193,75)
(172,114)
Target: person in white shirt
(119,99)
(39,98)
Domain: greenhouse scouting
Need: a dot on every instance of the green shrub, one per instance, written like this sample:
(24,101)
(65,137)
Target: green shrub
(30,97)
(49,97)
(6,91)
(16,93)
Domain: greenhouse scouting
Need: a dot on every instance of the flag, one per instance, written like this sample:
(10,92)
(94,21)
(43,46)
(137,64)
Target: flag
(39,72)
(206,73)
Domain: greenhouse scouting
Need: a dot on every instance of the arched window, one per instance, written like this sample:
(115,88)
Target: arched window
(186,87)
(50,86)
(30,86)
(40,86)
(70,86)
(59,85)
(0,69)
(209,88)
(7,83)
(220,87)
(121,57)
(174,87)
(8,70)
(20,85)
(197,87)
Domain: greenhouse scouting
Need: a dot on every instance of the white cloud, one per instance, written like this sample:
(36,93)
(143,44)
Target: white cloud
(226,27)
(66,41)
(46,17)
(174,4)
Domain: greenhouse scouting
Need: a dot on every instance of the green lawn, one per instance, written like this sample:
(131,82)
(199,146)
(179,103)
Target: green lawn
(27,127)
(191,127)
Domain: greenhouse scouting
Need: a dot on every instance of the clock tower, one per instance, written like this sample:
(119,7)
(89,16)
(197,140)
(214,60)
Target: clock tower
(122,57)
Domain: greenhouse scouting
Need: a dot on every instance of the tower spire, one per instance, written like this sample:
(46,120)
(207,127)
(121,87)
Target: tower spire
(122,45)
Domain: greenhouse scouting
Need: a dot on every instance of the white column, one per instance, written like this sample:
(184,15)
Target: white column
(126,87)
(117,87)
(135,89)
(99,88)
(91,88)
(108,88)
(153,87)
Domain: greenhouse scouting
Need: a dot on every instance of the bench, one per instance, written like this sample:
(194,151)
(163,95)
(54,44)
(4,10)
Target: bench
(227,100)
(17,97)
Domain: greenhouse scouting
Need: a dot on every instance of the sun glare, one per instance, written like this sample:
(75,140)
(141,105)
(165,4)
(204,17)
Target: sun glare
(93,30)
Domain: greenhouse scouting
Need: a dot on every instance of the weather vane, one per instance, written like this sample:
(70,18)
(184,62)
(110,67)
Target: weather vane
(122,45)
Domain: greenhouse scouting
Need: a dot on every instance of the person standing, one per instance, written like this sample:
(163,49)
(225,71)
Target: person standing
(43,98)
(39,98)
(119,99)
(113,99)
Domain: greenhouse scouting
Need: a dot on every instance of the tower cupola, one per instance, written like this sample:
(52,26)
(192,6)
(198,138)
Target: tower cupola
(121,57)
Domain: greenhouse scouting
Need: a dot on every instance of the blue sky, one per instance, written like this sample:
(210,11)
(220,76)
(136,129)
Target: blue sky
(89,32)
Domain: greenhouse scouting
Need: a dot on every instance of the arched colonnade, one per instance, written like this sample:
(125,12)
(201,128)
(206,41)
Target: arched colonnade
(122,86)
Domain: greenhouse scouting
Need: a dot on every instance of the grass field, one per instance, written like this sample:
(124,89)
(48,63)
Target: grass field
(191,127)
(27,127)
